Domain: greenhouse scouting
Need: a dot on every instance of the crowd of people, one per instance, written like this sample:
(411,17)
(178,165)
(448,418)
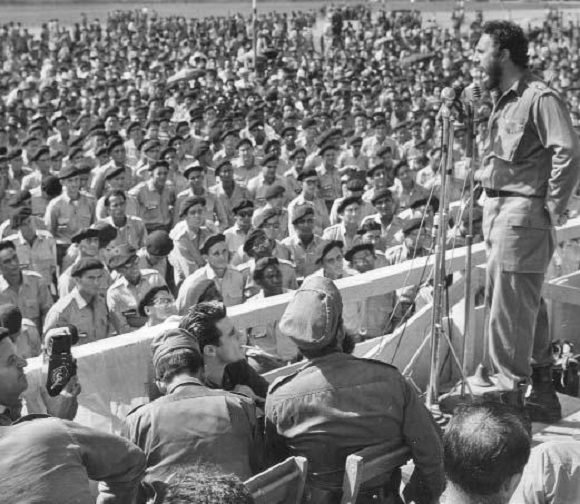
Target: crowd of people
(155,168)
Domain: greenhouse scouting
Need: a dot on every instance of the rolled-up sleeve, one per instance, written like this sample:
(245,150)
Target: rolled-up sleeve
(557,134)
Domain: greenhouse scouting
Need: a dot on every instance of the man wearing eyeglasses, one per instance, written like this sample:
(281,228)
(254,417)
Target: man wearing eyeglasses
(124,295)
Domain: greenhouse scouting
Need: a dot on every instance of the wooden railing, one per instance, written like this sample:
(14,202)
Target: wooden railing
(115,372)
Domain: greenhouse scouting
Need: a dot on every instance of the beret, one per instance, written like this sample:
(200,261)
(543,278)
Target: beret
(113,172)
(328,246)
(411,225)
(313,317)
(374,168)
(211,241)
(69,171)
(346,202)
(85,233)
(264,215)
(326,147)
(75,151)
(86,264)
(252,237)
(148,298)
(225,162)
(115,142)
(355,184)
(385,149)
(121,255)
(20,199)
(295,152)
(158,164)
(189,202)
(39,152)
(159,243)
(150,144)
(355,140)
(269,158)
(20,216)
(301,211)
(10,319)
(357,248)
(243,142)
(368,225)
(274,191)
(242,205)
(107,233)
(287,129)
(166,151)
(195,166)
(304,174)
(308,122)
(382,194)
(132,126)
(101,151)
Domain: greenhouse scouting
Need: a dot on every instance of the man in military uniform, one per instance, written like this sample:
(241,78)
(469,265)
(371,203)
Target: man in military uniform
(192,422)
(83,307)
(529,171)
(132,283)
(337,404)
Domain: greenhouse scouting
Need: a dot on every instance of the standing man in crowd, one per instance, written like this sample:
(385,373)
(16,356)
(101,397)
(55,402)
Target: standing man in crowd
(529,170)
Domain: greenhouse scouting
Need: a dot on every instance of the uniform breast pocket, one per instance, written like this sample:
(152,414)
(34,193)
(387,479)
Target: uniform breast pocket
(84,218)
(151,209)
(526,245)
(508,138)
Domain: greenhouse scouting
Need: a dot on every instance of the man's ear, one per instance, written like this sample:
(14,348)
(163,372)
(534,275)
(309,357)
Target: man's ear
(162,386)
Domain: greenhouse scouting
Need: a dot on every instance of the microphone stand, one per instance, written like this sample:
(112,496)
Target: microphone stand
(440,225)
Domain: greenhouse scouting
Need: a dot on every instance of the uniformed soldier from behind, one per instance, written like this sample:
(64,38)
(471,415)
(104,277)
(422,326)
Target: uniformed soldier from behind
(132,283)
(83,307)
(192,423)
(337,404)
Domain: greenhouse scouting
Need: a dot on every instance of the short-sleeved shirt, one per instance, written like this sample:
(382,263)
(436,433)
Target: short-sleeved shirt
(40,256)
(91,319)
(304,257)
(133,232)
(65,217)
(154,207)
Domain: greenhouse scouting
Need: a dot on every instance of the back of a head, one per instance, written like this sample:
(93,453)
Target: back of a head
(201,322)
(206,484)
(485,446)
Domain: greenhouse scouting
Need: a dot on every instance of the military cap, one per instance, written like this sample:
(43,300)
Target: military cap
(210,242)
(384,150)
(193,167)
(261,264)
(51,185)
(171,341)
(368,225)
(251,238)
(287,129)
(265,215)
(158,164)
(14,153)
(75,151)
(313,317)
(357,248)
(301,211)
(374,168)
(20,199)
(39,152)
(10,319)
(115,142)
(159,243)
(274,191)
(20,216)
(326,147)
(255,124)
(166,151)
(243,142)
(84,234)
(411,225)
(107,233)
(29,139)
(229,132)
(242,205)
(355,184)
(133,125)
(382,194)
(327,248)
(113,172)
(121,255)
(295,152)
(304,174)
(149,145)
(346,202)
(69,171)
(86,264)
(149,297)
(355,140)
(218,168)
(189,202)
(433,201)
(269,159)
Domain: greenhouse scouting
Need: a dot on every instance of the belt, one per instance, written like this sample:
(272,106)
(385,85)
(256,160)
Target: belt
(494,193)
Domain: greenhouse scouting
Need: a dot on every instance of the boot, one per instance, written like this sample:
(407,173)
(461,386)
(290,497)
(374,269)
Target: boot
(542,405)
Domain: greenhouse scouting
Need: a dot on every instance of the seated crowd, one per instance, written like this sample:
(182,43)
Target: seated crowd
(151,170)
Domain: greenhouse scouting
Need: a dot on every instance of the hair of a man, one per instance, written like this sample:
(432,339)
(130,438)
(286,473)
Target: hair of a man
(111,194)
(201,322)
(6,244)
(183,360)
(206,484)
(484,446)
(510,36)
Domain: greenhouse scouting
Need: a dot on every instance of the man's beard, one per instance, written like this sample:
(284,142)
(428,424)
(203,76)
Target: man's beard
(493,77)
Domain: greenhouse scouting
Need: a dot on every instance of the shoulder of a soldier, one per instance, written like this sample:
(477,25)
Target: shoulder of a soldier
(538,88)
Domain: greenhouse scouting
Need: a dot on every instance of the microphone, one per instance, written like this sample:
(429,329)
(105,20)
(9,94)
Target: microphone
(448,96)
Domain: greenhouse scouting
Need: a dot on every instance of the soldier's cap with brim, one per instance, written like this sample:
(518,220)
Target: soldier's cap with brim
(85,233)
(120,255)
(357,248)
(86,264)
(313,317)
(327,248)
(210,242)
(382,194)
(69,171)
(346,202)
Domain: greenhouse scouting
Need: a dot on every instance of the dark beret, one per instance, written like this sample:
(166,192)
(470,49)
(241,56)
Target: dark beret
(86,264)
(121,255)
(68,171)
(307,174)
(242,205)
(252,237)
(113,172)
(357,248)
(211,241)
(295,152)
(39,152)
(218,168)
(195,166)
(348,201)
(243,142)
(10,319)
(327,248)
(189,202)
(382,194)
(85,233)
(301,211)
